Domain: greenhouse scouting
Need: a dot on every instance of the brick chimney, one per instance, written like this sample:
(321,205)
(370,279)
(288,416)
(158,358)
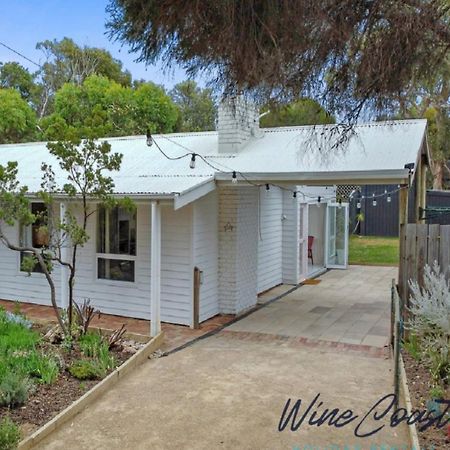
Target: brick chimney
(238,122)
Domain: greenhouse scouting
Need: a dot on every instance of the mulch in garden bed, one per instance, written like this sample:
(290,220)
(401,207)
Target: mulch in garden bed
(47,401)
(420,383)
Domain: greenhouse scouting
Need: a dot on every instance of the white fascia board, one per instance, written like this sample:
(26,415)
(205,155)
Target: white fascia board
(194,193)
(393,176)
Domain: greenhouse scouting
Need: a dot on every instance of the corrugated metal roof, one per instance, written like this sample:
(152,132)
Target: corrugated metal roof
(303,152)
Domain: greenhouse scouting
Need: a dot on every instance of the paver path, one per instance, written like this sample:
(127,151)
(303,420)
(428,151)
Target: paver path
(348,306)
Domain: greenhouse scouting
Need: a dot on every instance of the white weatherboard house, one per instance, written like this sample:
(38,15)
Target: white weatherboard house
(243,238)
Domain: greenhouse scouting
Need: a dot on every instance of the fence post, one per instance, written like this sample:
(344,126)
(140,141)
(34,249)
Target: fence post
(397,341)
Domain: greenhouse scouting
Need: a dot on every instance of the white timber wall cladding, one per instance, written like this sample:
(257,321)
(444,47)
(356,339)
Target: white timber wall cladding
(206,252)
(132,299)
(177,271)
(270,238)
(290,241)
(238,248)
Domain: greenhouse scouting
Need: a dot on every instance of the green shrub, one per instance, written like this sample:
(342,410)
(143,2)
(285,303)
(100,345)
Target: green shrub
(91,344)
(14,390)
(9,434)
(85,369)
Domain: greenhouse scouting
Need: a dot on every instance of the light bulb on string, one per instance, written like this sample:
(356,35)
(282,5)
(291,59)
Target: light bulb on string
(358,205)
(267,188)
(234,178)
(374,201)
(388,199)
(149,139)
(294,194)
(340,203)
(192,162)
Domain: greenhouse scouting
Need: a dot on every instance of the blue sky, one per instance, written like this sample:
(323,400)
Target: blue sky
(23,23)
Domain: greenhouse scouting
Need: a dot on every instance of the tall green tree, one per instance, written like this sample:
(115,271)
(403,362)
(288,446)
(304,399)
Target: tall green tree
(302,112)
(17,118)
(15,76)
(67,62)
(197,110)
(429,97)
(101,107)
(353,56)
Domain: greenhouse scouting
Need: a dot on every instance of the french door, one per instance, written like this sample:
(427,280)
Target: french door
(336,235)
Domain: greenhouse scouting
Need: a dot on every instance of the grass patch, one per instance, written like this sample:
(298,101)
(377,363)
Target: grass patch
(374,250)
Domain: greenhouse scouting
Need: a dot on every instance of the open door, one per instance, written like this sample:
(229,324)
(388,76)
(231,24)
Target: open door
(336,236)
(303,242)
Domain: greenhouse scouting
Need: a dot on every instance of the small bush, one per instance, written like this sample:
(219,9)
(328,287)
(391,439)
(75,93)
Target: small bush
(18,319)
(14,390)
(85,369)
(430,321)
(9,434)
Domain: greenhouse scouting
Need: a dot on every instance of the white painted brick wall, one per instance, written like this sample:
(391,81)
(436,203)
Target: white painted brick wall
(237,120)
(238,244)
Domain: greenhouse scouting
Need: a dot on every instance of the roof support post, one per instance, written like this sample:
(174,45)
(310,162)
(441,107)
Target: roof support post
(403,220)
(155,270)
(421,188)
(64,294)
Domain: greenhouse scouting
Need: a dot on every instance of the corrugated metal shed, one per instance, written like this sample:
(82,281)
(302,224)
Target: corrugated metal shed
(376,151)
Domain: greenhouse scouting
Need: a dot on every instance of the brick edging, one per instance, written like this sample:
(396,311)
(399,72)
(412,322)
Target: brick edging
(368,350)
(93,394)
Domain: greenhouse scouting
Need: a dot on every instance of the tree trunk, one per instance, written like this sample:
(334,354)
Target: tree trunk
(438,175)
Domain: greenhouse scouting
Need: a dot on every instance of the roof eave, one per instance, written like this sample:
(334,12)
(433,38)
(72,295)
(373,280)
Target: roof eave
(393,176)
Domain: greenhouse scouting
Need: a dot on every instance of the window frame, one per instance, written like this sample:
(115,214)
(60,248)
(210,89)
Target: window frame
(115,256)
(21,233)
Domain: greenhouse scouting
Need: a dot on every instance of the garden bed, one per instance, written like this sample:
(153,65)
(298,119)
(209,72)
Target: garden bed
(46,368)
(420,384)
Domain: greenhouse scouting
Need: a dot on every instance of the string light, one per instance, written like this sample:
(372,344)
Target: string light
(340,203)
(294,195)
(234,178)
(192,162)
(267,187)
(358,205)
(149,138)
(388,198)
(374,201)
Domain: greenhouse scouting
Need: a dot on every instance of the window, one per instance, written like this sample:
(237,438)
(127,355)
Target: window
(116,244)
(35,235)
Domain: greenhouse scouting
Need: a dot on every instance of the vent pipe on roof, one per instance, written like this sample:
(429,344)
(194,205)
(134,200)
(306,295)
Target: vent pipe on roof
(238,122)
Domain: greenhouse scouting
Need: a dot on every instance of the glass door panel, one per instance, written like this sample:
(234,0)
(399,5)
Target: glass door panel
(336,241)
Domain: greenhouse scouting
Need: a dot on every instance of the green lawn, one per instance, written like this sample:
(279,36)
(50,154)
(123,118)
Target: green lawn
(373,250)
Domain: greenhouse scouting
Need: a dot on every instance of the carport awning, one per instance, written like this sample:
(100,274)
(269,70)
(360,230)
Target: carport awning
(327,178)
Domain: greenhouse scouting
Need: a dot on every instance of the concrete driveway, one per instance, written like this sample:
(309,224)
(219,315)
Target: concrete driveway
(228,391)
